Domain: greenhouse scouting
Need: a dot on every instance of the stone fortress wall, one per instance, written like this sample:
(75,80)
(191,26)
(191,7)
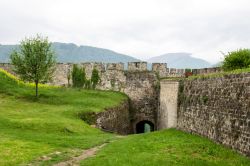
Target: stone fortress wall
(110,69)
(218,108)
(140,84)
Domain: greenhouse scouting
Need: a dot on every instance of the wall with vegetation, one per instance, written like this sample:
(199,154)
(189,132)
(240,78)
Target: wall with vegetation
(218,108)
(141,85)
(115,119)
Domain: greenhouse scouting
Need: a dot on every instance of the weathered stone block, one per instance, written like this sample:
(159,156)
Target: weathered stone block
(137,66)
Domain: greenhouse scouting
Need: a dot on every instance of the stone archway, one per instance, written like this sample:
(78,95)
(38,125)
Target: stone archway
(144,126)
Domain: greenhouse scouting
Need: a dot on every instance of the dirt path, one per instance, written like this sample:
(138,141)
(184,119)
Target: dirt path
(75,161)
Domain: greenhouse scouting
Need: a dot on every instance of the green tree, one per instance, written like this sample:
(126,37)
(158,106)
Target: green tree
(78,76)
(95,78)
(238,59)
(34,61)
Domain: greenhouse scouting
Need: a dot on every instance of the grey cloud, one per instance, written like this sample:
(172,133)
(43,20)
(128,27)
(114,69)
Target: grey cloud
(170,26)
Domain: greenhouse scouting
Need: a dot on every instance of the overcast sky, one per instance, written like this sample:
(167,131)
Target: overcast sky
(141,28)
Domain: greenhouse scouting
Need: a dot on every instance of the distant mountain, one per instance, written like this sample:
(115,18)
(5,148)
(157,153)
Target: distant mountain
(72,53)
(5,51)
(218,64)
(180,60)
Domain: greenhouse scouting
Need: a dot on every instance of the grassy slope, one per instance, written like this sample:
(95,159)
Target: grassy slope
(169,147)
(29,129)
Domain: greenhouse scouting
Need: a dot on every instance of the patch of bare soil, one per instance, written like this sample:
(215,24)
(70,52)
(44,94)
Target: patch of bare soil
(85,154)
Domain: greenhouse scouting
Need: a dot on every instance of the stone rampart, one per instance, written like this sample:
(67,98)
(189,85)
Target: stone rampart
(207,70)
(107,70)
(115,119)
(218,108)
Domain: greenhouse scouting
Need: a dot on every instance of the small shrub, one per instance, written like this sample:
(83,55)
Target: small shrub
(78,76)
(204,99)
(181,96)
(239,59)
(95,78)
(158,82)
(88,117)
(188,72)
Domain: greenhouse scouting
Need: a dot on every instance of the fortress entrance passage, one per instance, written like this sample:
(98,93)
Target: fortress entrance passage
(144,127)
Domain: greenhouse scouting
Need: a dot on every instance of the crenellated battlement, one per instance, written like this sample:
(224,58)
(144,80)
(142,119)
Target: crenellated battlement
(115,66)
(137,66)
(160,68)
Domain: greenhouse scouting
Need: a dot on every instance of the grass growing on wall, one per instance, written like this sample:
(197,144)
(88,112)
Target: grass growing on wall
(220,74)
(210,75)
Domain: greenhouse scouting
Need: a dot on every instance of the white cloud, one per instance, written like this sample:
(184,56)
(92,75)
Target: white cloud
(141,28)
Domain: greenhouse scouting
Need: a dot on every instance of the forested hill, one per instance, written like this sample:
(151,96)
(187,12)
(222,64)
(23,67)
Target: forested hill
(68,52)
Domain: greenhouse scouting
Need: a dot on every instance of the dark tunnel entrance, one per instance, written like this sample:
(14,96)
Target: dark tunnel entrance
(144,127)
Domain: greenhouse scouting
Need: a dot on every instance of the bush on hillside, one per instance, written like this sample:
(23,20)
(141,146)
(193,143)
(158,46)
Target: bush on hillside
(239,59)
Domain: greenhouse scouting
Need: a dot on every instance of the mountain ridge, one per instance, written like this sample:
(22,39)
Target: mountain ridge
(180,60)
(70,52)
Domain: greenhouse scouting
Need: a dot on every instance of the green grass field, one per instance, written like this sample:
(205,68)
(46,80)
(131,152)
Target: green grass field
(30,128)
(162,148)
(47,130)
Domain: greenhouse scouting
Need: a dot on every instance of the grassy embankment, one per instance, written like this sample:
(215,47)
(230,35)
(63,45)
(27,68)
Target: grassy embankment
(32,128)
(162,148)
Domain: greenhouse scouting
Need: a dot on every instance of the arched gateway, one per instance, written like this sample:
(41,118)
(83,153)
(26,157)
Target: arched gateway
(144,127)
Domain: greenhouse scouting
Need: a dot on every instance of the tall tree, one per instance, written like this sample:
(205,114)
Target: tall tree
(34,61)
